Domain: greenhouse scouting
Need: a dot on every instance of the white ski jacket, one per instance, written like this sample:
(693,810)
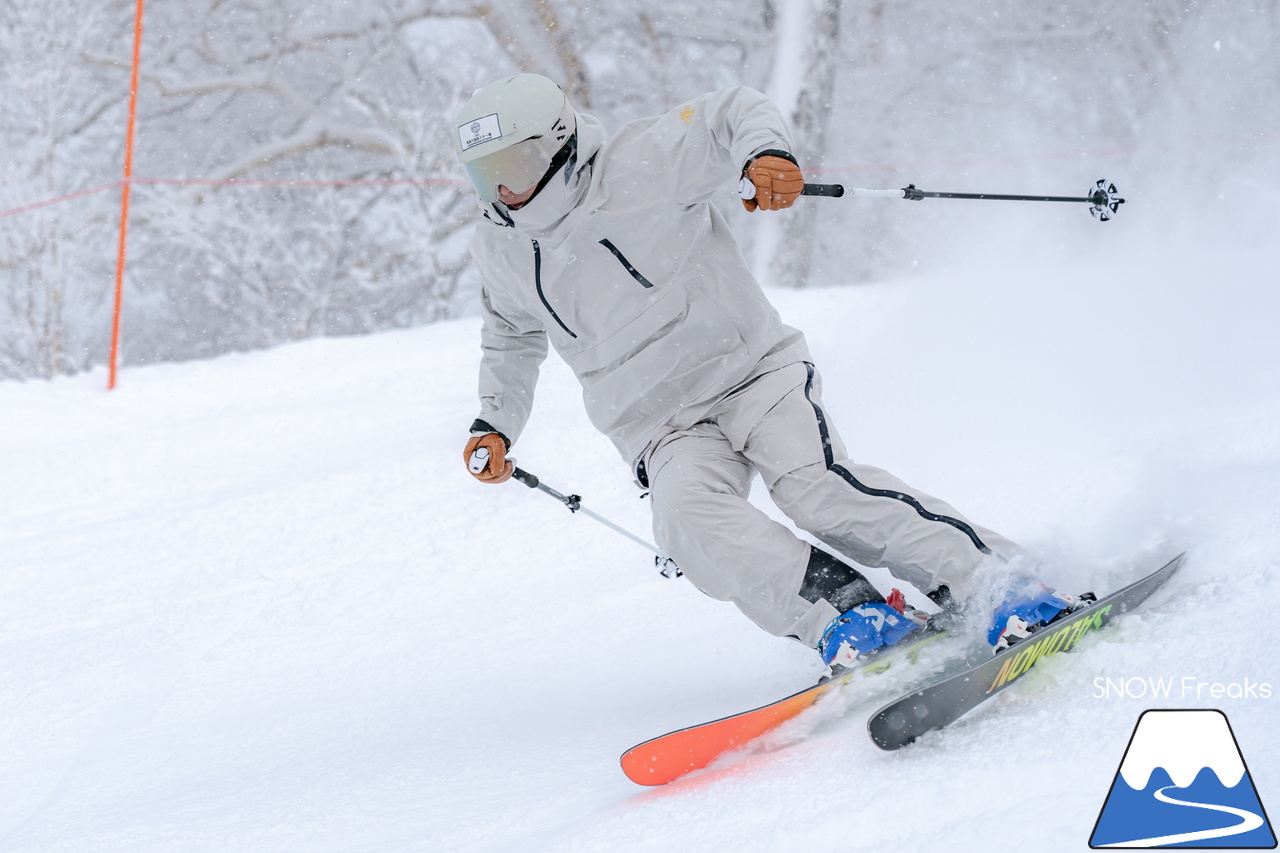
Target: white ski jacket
(634,277)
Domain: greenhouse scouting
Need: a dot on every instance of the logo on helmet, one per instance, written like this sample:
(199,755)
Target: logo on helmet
(480,131)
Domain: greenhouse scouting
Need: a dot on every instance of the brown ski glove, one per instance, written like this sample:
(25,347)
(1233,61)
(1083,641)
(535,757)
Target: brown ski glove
(777,178)
(486,458)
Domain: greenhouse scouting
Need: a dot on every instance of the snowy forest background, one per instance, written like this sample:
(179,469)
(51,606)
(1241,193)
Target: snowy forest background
(1166,97)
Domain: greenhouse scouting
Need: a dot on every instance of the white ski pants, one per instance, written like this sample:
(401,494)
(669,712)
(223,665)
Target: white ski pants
(699,482)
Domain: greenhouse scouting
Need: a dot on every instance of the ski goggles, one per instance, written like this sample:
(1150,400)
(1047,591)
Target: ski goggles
(517,167)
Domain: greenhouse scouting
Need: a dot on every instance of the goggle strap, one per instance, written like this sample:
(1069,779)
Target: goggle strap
(567,157)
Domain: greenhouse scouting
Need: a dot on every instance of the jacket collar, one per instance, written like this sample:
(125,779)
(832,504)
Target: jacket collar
(552,215)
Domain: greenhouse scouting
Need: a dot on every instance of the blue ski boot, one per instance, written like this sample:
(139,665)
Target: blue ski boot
(1034,606)
(864,629)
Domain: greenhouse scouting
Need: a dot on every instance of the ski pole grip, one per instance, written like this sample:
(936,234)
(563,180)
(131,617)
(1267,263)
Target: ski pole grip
(525,477)
(829,190)
(479,459)
(747,190)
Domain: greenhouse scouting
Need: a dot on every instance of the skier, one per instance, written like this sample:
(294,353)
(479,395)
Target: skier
(611,249)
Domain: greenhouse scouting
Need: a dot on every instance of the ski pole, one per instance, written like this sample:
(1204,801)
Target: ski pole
(666,566)
(1102,199)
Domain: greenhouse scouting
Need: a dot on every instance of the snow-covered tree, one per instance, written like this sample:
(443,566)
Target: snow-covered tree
(805,55)
(56,102)
(328,199)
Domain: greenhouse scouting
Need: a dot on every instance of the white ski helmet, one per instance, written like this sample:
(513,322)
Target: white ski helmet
(510,132)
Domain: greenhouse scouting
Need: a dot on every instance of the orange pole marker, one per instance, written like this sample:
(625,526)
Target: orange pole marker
(124,199)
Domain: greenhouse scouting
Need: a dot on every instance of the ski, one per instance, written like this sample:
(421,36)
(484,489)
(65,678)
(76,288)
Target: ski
(668,757)
(947,699)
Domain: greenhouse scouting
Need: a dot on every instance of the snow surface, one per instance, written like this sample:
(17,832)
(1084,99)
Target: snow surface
(256,604)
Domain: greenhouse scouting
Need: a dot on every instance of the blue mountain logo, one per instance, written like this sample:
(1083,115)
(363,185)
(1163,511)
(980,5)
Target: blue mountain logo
(1183,783)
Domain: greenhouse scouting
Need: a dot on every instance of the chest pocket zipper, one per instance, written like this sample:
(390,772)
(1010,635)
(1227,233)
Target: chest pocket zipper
(537,282)
(635,273)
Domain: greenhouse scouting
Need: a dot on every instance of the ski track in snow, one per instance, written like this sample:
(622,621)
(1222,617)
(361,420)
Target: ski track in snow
(255,603)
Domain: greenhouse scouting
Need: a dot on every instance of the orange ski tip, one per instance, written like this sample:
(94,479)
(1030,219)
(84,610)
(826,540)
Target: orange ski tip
(668,757)
(665,759)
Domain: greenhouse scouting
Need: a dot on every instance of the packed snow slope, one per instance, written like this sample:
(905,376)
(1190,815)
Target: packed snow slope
(256,603)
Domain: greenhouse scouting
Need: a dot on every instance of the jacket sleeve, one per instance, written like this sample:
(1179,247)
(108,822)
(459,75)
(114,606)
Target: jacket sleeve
(702,144)
(513,345)
(743,122)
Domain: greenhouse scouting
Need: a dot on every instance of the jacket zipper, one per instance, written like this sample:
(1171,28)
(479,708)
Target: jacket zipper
(635,273)
(537,282)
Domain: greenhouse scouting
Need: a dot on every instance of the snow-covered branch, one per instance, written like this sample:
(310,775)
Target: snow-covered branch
(306,90)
